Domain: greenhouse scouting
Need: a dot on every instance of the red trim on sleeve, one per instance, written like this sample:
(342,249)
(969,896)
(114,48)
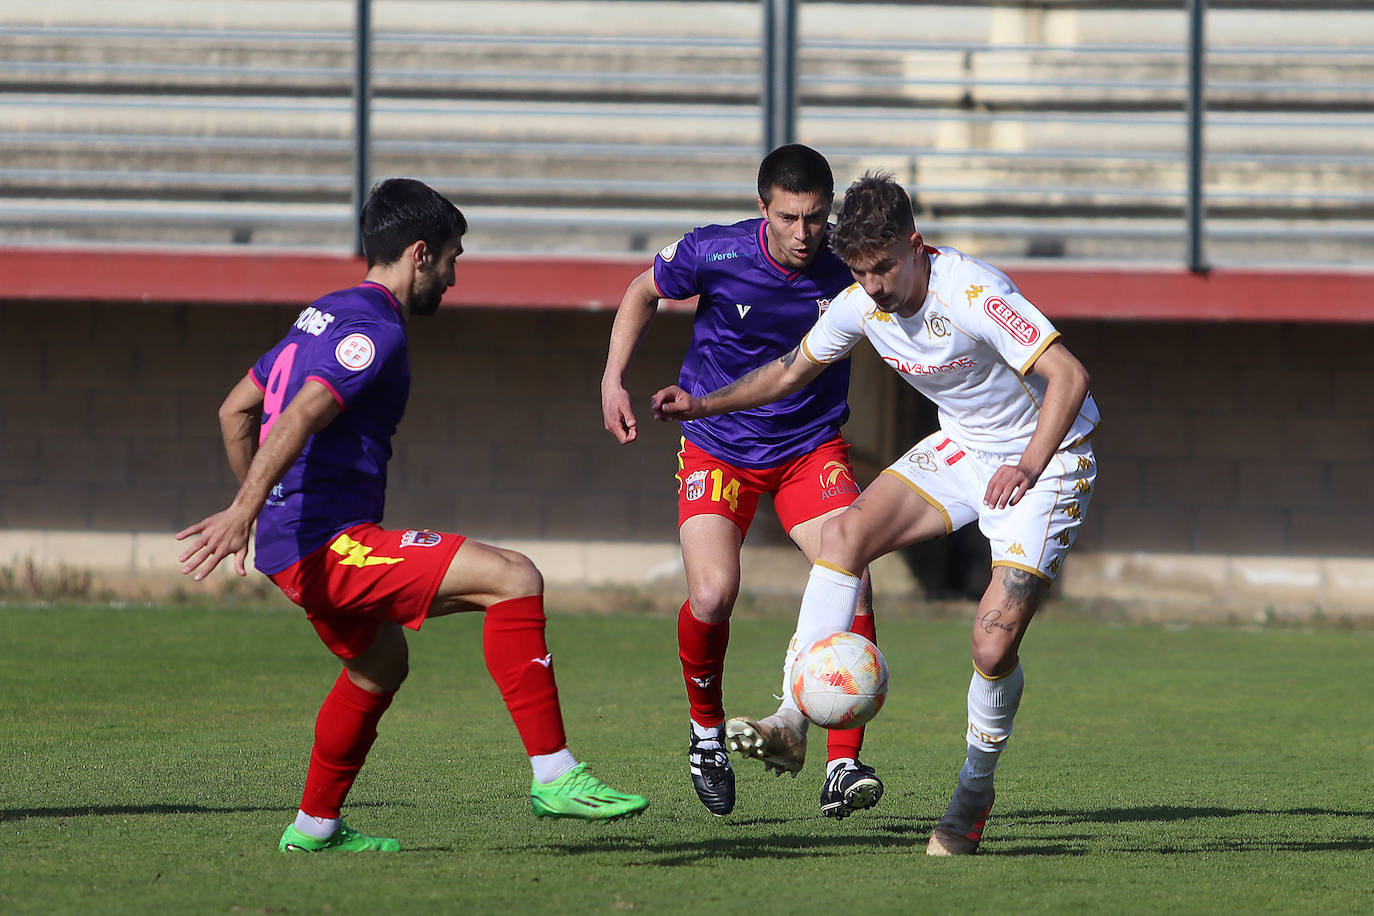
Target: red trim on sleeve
(343,405)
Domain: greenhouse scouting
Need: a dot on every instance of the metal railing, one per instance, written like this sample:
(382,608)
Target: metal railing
(1081,150)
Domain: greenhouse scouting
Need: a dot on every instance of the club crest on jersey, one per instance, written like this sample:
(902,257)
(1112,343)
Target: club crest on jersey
(668,251)
(695,485)
(822,305)
(425,538)
(1009,318)
(355,352)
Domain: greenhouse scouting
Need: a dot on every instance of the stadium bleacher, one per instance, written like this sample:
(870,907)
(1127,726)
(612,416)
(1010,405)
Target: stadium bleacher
(1047,130)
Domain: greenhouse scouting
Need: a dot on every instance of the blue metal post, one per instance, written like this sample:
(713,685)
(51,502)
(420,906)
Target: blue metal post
(362,126)
(779,73)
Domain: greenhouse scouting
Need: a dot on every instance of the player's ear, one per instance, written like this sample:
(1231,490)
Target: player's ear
(763,207)
(917,243)
(418,253)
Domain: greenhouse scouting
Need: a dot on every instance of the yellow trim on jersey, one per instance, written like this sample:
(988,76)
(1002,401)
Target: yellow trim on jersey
(806,351)
(949,523)
(1024,568)
(1025,370)
(839,569)
(994,677)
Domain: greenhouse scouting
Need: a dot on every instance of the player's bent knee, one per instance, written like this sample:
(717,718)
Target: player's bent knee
(712,601)
(995,660)
(519,576)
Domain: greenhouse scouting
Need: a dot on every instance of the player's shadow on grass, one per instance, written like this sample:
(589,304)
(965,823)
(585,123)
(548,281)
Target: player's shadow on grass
(74,811)
(753,846)
(1283,835)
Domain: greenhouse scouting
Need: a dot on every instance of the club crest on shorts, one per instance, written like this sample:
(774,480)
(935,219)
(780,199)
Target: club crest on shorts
(695,485)
(425,538)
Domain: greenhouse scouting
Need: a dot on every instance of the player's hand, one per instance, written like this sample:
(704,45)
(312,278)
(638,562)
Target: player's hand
(1009,483)
(222,535)
(617,415)
(672,403)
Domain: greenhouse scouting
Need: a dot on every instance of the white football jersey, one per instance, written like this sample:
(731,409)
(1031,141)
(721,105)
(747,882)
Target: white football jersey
(969,349)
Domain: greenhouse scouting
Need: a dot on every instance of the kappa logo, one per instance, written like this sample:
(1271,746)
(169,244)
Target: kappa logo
(1062,537)
(1009,318)
(1054,567)
(973,292)
(1084,463)
(1072,510)
(1016,550)
(421,538)
(1082,486)
(742,308)
(546,661)
(695,486)
(355,352)
(704,682)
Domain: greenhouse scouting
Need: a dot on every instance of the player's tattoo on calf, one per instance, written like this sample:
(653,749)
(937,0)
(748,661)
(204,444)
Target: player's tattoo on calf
(992,620)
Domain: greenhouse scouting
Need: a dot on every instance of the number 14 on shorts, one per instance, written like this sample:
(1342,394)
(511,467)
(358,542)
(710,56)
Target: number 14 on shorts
(721,488)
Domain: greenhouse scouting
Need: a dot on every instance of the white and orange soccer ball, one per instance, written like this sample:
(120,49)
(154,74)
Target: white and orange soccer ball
(840,681)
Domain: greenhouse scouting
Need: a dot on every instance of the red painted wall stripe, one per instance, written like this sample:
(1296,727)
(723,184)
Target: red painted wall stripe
(62,275)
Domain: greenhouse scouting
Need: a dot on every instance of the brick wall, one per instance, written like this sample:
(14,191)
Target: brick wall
(1229,452)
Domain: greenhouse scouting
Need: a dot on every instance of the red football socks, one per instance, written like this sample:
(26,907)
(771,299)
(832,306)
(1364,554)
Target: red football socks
(701,646)
(522,667)
(846,742)
(344,732)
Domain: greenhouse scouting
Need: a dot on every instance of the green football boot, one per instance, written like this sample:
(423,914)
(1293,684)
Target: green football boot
(345,839)
(578,793)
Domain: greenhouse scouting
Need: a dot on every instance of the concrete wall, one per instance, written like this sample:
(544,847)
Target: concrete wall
(1234,457)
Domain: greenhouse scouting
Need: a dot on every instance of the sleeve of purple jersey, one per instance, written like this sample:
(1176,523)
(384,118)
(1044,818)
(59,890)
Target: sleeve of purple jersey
(675,268)
(358,353)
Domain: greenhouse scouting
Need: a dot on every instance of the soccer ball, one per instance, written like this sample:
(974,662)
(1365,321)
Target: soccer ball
(840,681)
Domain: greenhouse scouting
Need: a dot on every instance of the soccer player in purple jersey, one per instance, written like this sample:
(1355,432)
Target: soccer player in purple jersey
(308,434)
(761,284)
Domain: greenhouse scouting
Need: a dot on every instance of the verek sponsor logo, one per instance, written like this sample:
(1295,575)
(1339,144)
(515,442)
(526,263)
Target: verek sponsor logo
(355,352)
(722,256)
(696,485)
(1009,318)
(421,538)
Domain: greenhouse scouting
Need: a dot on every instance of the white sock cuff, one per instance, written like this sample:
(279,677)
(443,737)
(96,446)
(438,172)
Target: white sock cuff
(829,572)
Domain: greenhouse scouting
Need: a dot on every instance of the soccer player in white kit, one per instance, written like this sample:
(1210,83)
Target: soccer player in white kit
(1012,451)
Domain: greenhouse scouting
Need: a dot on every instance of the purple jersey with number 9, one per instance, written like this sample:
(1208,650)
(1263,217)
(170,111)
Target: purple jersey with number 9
(752,310)
(354,343)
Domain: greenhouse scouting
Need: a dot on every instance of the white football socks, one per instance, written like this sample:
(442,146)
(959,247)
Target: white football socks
(321,828)
(992,705)
(548,767)
(827,606)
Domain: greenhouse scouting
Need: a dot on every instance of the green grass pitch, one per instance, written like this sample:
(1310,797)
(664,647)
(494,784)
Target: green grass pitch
(149,759)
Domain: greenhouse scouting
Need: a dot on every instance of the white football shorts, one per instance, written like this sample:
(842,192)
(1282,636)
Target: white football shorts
(1036,533)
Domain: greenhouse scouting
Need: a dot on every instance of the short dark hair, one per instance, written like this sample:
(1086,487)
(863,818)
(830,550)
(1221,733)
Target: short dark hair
(401,211)
(875,213)
(797,169)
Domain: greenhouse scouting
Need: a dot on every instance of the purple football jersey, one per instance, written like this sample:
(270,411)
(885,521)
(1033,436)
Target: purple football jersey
(354,343)
(751,310)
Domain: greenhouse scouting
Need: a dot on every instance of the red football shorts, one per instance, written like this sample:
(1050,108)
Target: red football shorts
(365,576)
(804,488)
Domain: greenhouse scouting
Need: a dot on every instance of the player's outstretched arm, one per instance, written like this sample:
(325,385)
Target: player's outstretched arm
(226,533)
(1065,390)
(238,424)
(632,319)
(783,376)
